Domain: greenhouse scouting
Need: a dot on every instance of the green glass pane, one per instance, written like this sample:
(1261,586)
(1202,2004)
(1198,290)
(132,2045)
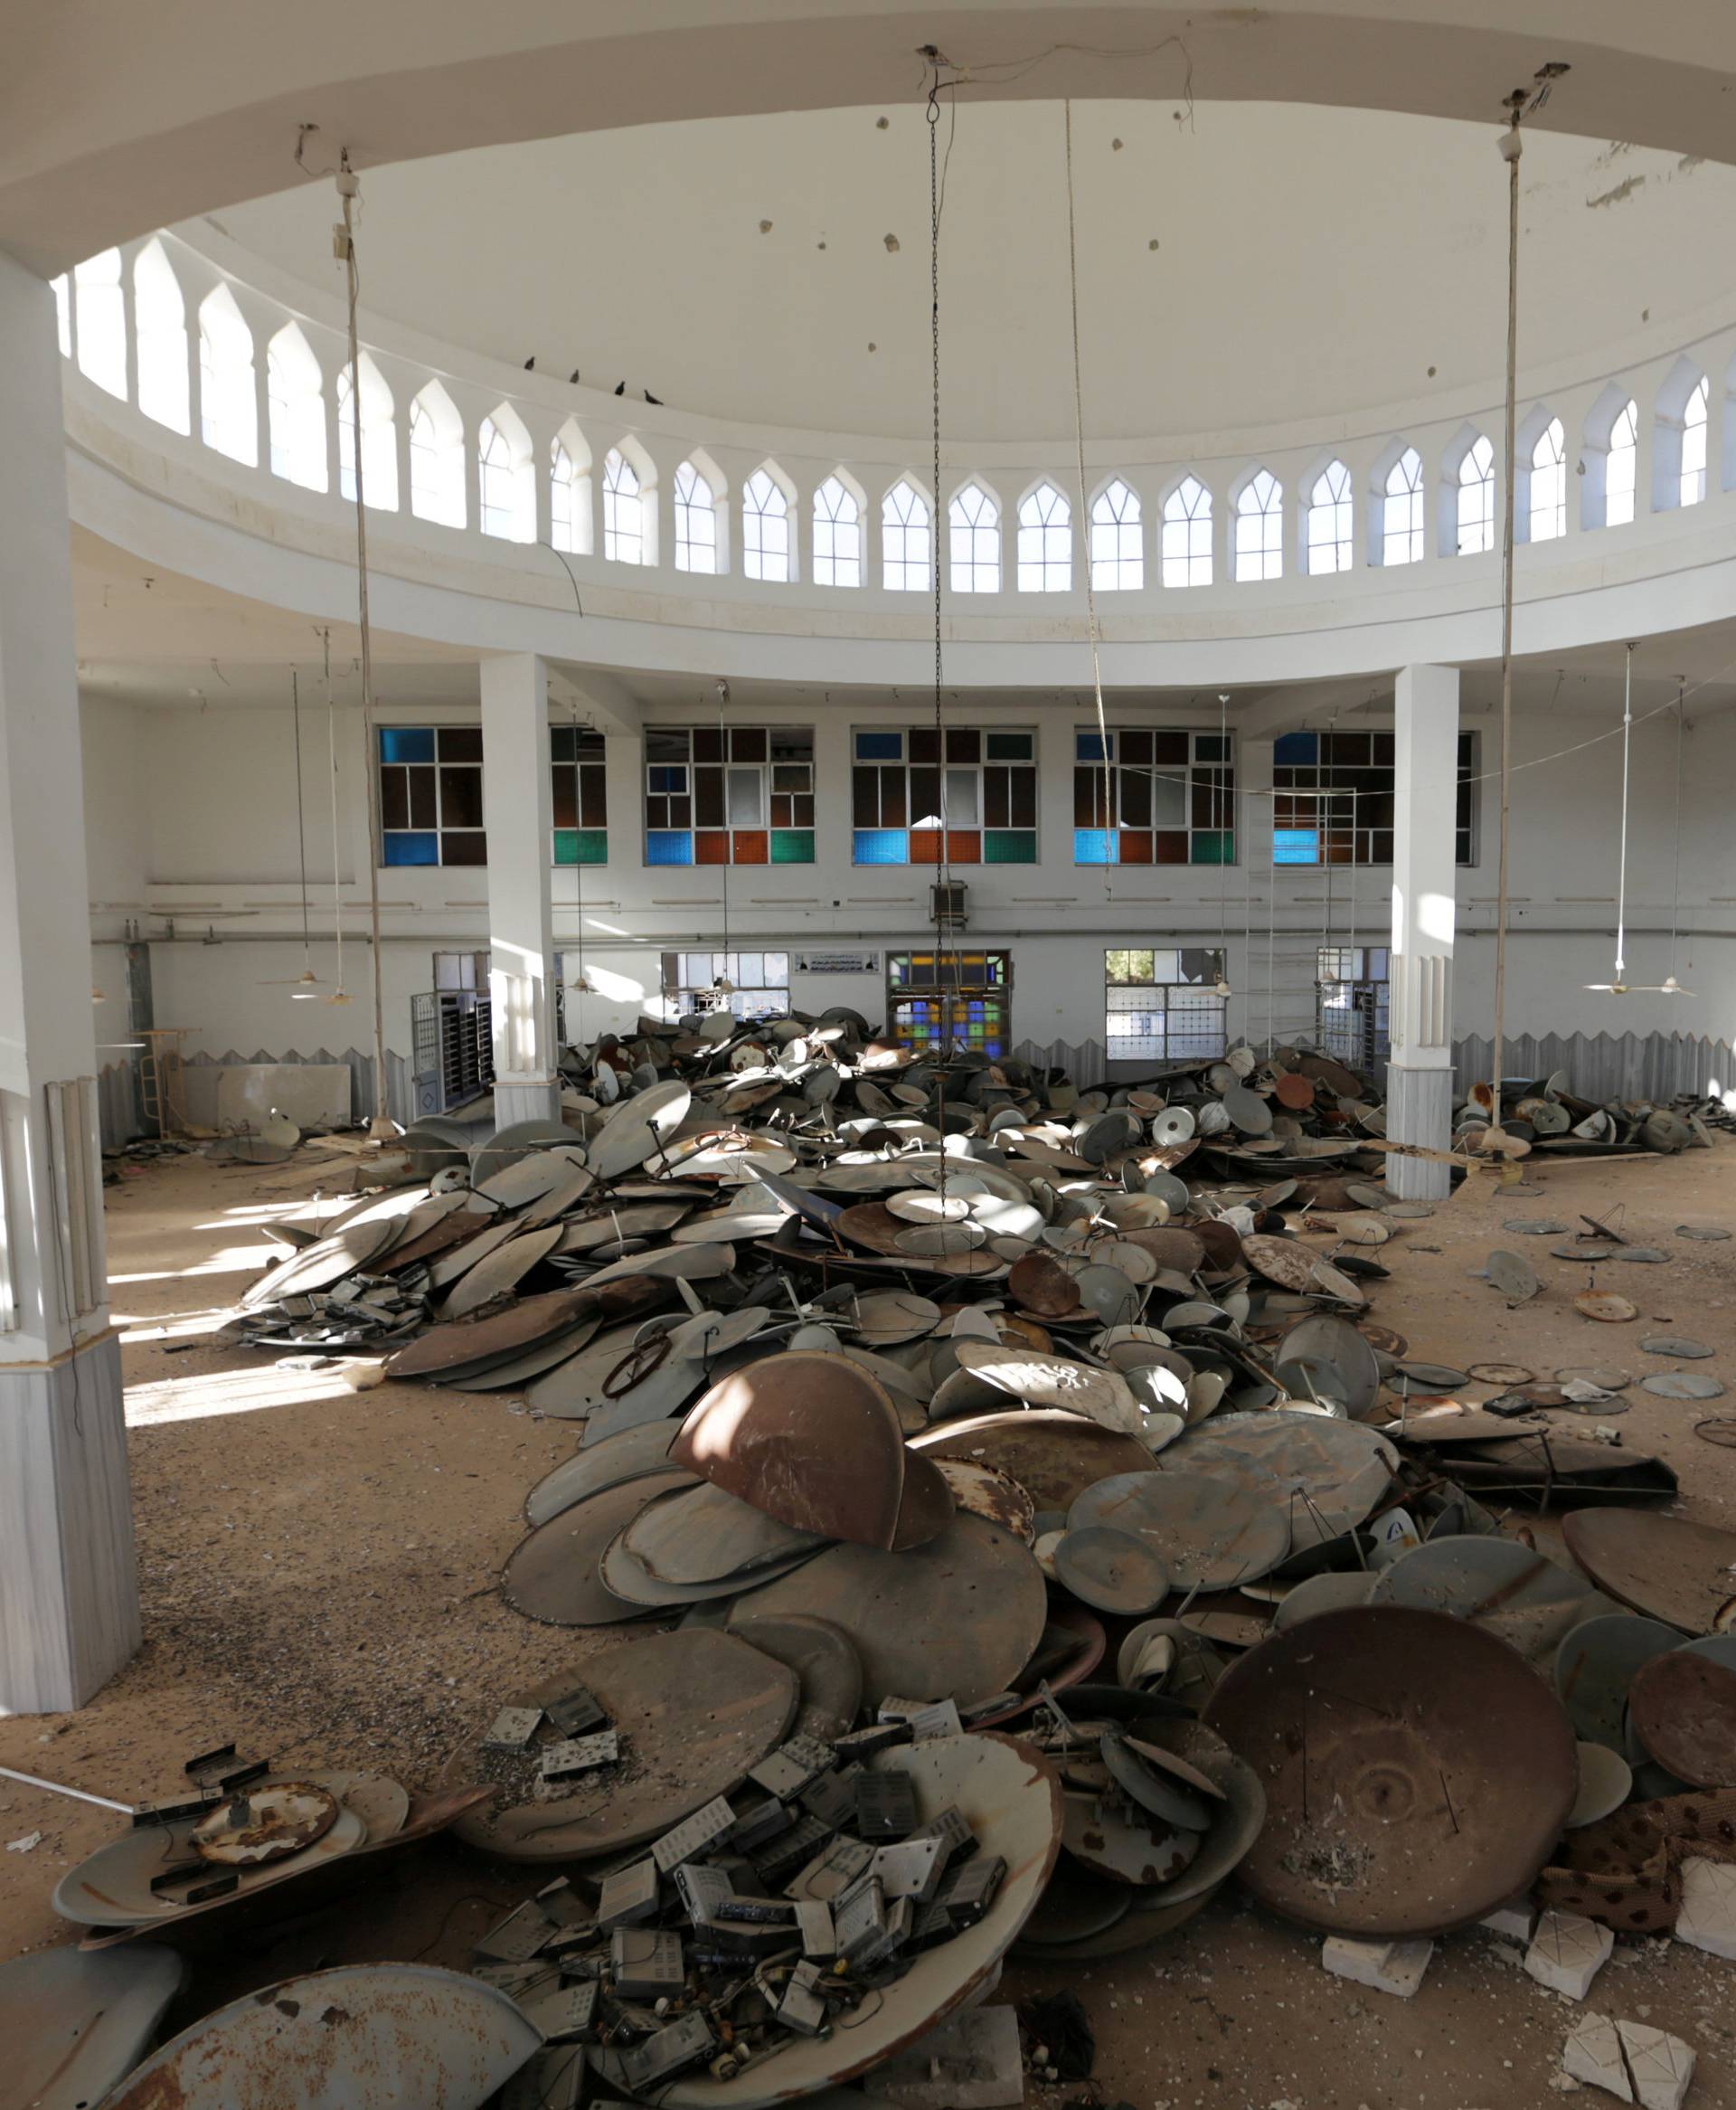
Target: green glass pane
(582,845)
(792,846)
(1212,846)
(1010,845)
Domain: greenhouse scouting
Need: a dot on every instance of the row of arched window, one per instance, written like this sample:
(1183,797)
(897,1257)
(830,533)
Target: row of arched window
(1396,501)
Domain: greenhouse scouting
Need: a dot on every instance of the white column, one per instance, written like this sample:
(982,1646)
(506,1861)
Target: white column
(518,813)
(69,1595)
(1419,1072)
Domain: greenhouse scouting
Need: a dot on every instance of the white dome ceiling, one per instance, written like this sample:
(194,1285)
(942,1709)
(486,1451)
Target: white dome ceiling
(1258,265)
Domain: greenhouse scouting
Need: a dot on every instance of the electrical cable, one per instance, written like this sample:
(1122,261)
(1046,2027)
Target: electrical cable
(349,190)
(1511,147)
(941,893)
(1109,828)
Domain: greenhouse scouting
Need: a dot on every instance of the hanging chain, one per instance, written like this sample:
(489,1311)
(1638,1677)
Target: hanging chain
(301,823)
(349,190)
(1675,888)
(945,998)
(1109,832)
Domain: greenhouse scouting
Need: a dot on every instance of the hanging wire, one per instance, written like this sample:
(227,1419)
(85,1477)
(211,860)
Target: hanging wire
(1511,147)
(1676,882)
(339,994)
(1621,870)
(724,982)
(1223,811)
(349,190)
(301,828)
(1110,842)
(946,999)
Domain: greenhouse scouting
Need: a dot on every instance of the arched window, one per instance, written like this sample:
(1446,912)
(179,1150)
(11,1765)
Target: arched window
(101,313)
(379,439)
(765,529)
(296,407)
(436,458)
(1548,509)
(695,521)
(974,541)
(1187,534)
(1402,534)
(1117,540)
(623,511)
(569,523)
(1476,498)
(160,324)
(1260,528)
(1045,542)
(506,481)
(229,415)
(906,540)
(1693,446)
(1327,525)
(1621,466)
(837,536)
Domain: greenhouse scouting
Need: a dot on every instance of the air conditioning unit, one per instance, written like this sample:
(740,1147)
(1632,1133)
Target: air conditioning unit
(946,906)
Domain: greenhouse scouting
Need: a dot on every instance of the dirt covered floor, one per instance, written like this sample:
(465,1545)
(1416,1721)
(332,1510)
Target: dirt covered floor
(318,1568)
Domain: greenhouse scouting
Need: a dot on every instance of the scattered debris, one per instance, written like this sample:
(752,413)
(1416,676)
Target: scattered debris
(1394,1967)
(1567,1952)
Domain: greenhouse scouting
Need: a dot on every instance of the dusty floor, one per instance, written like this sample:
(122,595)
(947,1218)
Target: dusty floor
(317,1570)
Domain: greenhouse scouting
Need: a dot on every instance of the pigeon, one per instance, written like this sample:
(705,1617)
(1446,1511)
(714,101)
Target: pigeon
(530,363)
(573,376)
(620,388)
(653,399)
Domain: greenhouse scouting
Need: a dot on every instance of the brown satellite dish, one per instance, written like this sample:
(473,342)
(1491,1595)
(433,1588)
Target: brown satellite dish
(1664,1566)
(1682,1706)
(961,1615)
(1053,1454)
(1417,1771)
(463,1344)
(813,1440)
(695,1708)
(1043,1286)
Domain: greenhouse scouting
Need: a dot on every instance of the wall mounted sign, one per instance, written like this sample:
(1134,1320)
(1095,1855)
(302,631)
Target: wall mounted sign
(837,963)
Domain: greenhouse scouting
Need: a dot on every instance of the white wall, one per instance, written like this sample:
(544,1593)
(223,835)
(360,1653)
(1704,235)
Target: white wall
(194,810)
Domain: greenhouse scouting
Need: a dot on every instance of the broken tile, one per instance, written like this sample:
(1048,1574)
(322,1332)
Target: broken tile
(1593,2053)
(1661,2065)
(1708,1915)
(1516,1920)
(1567,1952)
(1394,1967)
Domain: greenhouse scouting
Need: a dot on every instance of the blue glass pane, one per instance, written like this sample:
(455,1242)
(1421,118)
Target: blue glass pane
(879,747)
(1094,846)
(407,743)
(670,780)
(882,845)
(1295,846)
(1296,747)
(1088,747)
(669,846)
(417,846)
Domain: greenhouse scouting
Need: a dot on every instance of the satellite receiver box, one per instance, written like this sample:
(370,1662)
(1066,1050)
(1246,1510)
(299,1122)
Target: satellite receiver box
(885,1806)
(630,1895)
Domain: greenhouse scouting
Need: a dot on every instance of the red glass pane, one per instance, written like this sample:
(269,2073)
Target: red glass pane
(925,846)
(965,845)
(752,847)
(566,796)
(712,846)
(1135,846)
(1169,847)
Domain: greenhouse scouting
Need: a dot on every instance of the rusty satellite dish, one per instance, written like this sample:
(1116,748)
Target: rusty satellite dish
(696,1707)
(1053,1454)
(1416,1772)
(264,1823)
(555,1577)
(366,2034)
(1684,1711)
(961,1615)
(1664,1566)
(815,1441)
(1213,1532)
